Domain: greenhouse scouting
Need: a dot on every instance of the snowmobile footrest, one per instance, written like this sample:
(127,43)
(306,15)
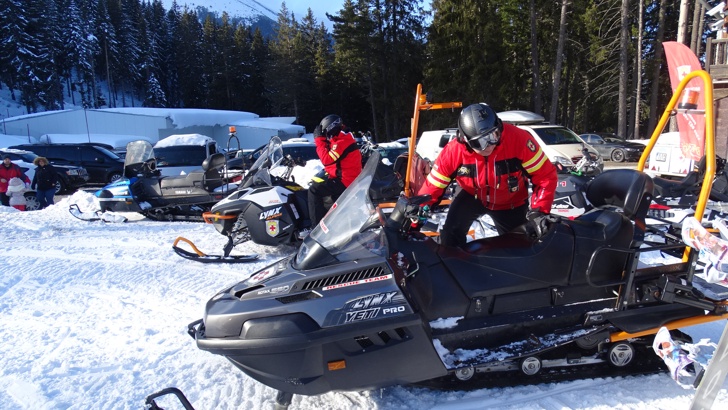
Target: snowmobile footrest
(152,405)
(200,256)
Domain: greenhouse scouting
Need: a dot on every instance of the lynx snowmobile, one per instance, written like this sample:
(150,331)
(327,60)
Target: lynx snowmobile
(183,197)
(369,301)
(270,208)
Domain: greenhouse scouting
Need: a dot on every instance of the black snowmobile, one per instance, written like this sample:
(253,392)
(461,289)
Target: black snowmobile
(270,208)
(369,301)
(183,197)
(569,199)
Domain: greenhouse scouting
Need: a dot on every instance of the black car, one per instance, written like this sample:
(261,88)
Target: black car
(614,148)
(103,166)
(70,177)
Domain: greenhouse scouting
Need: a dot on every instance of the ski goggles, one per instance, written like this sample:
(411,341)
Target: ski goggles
(334,124)
(482,141)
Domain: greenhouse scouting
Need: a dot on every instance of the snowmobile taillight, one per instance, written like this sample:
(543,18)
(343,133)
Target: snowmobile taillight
(337,365)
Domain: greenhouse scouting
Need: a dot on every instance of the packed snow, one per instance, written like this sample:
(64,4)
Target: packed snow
(95,317)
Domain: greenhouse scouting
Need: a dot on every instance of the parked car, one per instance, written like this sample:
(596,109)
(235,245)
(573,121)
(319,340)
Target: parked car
(431,143)
(181,154)
(614,148)
(559,143)
(300,149)
(389,151)
(70,177)
(103,166)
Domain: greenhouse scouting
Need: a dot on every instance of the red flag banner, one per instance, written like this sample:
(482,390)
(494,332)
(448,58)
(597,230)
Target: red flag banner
(681,61)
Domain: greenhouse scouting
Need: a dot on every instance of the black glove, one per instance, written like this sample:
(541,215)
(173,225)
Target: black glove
(538,223)
(318,131)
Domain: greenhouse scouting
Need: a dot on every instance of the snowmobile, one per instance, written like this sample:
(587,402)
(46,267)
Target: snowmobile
(183,197)
(269,209)
(675,199)
(369,301)
(569,199)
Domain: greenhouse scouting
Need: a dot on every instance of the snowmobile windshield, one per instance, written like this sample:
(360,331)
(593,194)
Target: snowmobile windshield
(137,153)
(351,230)
(270,157)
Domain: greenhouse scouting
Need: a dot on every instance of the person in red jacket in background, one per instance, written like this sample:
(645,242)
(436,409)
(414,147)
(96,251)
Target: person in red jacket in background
(9,170)
(492,162)
(341,159)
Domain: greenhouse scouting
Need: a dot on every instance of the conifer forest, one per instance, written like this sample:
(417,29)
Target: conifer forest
(590,65)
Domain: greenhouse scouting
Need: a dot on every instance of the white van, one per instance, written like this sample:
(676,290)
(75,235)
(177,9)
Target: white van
(666,157)
(431,143)
(559,143)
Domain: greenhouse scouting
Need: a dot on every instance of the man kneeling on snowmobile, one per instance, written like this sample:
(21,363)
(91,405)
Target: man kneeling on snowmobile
(492,163)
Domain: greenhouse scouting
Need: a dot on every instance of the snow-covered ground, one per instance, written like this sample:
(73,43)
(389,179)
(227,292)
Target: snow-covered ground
(94,316)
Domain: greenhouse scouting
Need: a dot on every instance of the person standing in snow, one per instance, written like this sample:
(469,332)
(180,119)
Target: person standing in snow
(44,182)
(9,170)
(492,163)
(16,188)
(341,159)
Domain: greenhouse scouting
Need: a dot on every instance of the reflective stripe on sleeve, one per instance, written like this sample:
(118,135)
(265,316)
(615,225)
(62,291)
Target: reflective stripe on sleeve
(535,163)
(438,180)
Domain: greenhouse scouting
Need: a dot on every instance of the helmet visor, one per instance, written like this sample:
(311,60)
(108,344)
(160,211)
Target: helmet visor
(482,141)
(333,125)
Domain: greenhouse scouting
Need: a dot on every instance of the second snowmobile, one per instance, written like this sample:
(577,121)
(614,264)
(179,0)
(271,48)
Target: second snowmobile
(368,301)
(270,208)
(185,197)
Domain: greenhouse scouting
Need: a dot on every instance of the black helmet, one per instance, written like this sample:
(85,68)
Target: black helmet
(331,125)
(480,126)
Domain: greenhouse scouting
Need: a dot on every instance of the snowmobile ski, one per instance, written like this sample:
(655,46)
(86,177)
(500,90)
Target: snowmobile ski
(107,216)
(151,404)
(710,382)
(199,256)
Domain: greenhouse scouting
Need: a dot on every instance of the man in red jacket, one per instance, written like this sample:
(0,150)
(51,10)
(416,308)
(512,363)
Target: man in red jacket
(492,162)
(341,159)
(9,170)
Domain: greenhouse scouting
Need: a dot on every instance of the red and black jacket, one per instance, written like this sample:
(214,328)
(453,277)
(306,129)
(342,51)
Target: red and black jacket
(340,156)
(499,180)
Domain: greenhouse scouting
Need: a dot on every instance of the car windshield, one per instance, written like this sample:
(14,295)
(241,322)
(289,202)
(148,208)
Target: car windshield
(181,156)
(107,152)
(557,136)
(351,229)
(27,156)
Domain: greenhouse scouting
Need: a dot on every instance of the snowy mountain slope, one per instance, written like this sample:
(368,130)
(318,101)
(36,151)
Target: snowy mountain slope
(236,8)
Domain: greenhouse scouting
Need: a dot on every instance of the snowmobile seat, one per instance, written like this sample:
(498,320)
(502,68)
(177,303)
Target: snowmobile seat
(211,167)
(629,191)
(193,179)
(504,264)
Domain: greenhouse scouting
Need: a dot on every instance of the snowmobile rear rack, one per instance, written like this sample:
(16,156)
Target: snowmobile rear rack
(200,256)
